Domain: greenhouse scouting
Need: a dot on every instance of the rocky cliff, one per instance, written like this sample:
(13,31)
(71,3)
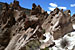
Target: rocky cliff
(20,28)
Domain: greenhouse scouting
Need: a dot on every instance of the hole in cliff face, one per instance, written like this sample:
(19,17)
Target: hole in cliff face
(20,28)
(57,17)
(57,12)
(19,19)
(13,34)
(51,24)
(51,17)
(73,20)
(44,38)
(53,14)
(57,26)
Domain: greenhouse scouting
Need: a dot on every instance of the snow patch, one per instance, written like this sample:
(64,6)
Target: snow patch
(73,26)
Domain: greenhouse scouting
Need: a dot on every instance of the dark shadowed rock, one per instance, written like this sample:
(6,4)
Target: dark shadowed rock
(16,5)
(35,9)
(33,6)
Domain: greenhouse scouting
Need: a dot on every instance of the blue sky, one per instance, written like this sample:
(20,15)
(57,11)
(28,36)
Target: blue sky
(47,5)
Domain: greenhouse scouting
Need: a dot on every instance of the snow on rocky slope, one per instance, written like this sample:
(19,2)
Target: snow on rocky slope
(70,38)
(65,43)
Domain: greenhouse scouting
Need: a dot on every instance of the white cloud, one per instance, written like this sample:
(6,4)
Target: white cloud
(51,8)
(62,8)
(72,5)
(48,12)
(53,4)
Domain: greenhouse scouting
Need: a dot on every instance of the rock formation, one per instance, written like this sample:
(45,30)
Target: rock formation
(58,23)
(73,19)
(20,28)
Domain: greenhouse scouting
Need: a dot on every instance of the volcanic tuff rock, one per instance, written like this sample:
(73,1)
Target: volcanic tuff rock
(14,21)
(20,26)
(37,10)
(73,19)
(58,23)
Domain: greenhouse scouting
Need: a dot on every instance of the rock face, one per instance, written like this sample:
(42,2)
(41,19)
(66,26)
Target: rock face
(14,21)
(16,5)
(22,27)
(73,19)
(58,23)
(37,10)
(1,7)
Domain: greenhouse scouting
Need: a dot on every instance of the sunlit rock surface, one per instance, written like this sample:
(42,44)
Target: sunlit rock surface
(25,29)
(70,37)
(58,23)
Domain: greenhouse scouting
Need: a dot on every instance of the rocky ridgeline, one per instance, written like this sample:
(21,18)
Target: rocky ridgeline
(58,23)
(22,28)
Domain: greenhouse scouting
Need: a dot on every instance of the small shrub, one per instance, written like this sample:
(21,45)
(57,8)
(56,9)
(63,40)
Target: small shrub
(69,35)
(64,42)
(43,31)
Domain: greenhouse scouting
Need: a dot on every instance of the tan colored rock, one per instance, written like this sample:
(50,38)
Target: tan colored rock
(73,19)
(61,27)
(30,21)
(58,23)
